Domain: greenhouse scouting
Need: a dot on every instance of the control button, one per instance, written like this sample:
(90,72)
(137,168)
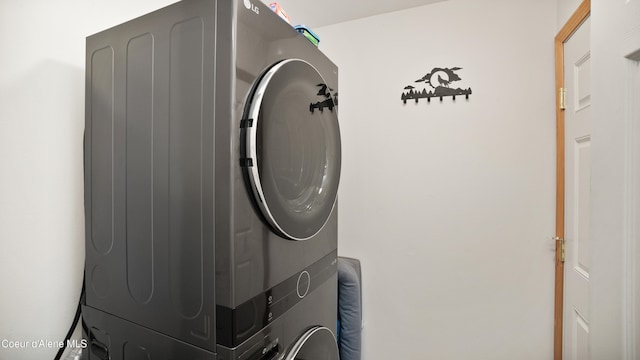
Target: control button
(304,281)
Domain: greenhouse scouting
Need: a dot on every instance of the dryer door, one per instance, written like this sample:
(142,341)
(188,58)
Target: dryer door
(317,343)
(290,148)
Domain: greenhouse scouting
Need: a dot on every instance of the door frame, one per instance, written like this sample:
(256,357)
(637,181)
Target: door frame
(578,17)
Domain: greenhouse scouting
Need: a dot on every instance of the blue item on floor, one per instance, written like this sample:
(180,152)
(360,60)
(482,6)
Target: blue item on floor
(349,308)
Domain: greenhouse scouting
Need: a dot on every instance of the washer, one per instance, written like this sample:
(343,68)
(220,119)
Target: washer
(212,164)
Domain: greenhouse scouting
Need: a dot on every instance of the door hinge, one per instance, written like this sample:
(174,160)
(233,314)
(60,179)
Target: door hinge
(561,243)
(563,97)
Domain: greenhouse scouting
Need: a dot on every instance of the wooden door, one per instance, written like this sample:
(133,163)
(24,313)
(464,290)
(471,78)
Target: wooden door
(573,61)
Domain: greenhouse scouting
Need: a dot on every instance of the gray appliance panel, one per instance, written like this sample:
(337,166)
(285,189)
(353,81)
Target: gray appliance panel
(170,228)
(149,171)
(250,257)
(318,308)
(117,339)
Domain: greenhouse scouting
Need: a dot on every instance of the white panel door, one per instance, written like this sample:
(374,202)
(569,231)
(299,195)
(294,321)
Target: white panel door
(615,207)
(577,64)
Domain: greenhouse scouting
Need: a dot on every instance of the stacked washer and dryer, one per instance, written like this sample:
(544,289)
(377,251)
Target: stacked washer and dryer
(212,162)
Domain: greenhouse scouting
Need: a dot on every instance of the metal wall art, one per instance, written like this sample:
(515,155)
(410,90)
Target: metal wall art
(439,79)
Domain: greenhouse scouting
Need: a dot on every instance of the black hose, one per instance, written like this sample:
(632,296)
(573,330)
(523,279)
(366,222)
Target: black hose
(73,326)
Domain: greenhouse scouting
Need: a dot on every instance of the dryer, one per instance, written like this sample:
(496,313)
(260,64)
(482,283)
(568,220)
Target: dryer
(212,163)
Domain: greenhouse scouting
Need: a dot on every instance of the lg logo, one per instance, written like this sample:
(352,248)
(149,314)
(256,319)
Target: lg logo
(250,6)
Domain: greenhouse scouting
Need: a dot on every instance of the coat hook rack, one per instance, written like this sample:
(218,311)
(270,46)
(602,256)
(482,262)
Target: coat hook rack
(439,79)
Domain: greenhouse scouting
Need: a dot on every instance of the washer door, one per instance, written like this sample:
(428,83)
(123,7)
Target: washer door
(317,343)
(290,148)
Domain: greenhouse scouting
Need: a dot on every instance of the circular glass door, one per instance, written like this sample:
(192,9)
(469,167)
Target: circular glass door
(317,343)
(290,148)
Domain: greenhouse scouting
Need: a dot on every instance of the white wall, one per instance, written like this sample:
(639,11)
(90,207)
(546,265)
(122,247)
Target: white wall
(450,206)
(41,188)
